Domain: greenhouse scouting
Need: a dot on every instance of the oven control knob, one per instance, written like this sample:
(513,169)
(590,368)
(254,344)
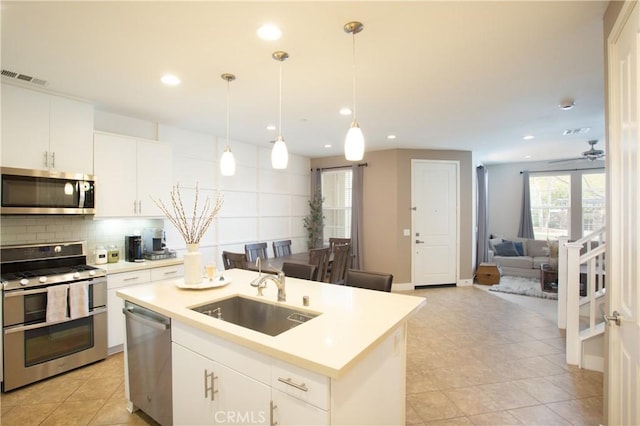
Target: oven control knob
(76,275)
(42,279)
(24,281)
(92,273)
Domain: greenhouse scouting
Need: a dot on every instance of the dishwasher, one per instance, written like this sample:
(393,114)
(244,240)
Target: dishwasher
(149,362)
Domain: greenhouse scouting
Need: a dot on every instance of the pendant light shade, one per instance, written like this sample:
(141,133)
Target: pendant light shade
(354,141)
(227,161)
(279,152)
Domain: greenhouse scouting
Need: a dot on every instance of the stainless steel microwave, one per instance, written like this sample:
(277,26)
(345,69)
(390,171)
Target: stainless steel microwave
(41,192)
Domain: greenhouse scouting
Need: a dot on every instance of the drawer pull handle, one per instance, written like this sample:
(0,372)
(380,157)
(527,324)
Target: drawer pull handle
(171,272)
(210,384)
(290,382)
(131,279)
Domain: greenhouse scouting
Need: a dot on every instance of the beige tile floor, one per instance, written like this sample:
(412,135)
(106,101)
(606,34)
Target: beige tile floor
(473,358)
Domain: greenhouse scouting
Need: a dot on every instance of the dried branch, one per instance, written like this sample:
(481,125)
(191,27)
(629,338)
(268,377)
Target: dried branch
(192,231)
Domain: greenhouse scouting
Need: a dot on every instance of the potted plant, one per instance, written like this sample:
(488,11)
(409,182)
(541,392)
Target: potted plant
(314,222)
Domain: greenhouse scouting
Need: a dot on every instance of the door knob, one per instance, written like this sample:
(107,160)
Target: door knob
(615,317)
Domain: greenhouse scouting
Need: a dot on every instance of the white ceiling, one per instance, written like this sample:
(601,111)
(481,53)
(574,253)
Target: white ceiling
(440,75)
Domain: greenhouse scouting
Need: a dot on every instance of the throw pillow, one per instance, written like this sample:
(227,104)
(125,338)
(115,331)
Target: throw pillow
(518,245)
(537,248)
(506,249)
(493,242)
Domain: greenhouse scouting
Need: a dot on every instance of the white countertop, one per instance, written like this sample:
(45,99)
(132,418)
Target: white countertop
(352,320)
(123,266)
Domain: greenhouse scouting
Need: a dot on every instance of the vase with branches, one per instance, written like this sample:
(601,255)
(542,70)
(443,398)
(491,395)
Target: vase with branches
(314,222)
(192,229)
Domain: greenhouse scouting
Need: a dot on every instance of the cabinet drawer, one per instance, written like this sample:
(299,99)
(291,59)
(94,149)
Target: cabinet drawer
(167,272)
(128,278)
(305,385)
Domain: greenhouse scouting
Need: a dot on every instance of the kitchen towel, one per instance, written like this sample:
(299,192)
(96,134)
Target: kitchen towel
(79,299)
(57,302)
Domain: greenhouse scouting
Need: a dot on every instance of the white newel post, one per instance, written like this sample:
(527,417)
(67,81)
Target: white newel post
(573,303)
(562,282)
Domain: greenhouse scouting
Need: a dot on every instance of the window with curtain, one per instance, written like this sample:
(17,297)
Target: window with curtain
(550,205)
(593,202)
(336,190)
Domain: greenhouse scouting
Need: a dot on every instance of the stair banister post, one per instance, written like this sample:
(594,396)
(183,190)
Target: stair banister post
(562,282)
(573,303)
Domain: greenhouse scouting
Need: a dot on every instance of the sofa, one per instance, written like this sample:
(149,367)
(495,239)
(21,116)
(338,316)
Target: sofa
(519,256)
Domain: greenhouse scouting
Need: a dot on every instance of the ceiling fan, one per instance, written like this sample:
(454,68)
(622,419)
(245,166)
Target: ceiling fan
(591,154)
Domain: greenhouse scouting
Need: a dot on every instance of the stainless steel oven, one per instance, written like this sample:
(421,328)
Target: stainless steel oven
(35,348)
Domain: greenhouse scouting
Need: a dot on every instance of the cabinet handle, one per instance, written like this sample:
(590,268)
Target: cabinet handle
(211,387)
(45,159)
(135,207)
(131,279)
(139,206)
(272,408)
(53,160)
(171,272)
(290,382)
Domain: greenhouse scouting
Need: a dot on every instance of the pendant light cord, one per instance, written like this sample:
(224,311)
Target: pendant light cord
(354,76)
(228,82)
(280,106)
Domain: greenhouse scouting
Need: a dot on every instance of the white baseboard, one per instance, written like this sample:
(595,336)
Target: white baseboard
(465,282)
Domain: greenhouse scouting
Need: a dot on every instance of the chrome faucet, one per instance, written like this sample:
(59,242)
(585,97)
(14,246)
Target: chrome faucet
(260,283)
(259,266)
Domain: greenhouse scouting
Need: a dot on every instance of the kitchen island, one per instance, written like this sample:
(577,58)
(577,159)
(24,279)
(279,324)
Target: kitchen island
(345,366)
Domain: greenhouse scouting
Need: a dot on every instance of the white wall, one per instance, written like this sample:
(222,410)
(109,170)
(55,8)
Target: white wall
(505,191)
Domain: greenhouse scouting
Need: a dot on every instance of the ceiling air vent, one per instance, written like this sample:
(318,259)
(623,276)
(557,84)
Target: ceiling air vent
(579,131)
(23,77)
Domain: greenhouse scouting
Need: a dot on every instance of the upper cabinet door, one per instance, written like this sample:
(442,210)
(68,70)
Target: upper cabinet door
(71,136)
(154,176)
(115,171)
(25,128)
(45,132)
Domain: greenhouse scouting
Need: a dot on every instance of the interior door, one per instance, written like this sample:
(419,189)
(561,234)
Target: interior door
(622,371)
(434,222)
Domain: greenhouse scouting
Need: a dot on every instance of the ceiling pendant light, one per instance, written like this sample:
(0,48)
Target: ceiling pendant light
(227,162)
(354,142)
(279,153)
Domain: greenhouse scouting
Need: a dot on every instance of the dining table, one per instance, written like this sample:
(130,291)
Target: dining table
(273,265)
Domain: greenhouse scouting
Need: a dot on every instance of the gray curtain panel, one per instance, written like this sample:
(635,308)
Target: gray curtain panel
(316,187)
(356,215)
(526,224)
(483,218)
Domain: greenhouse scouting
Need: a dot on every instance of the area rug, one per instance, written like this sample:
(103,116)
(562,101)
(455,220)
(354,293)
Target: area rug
(523,286)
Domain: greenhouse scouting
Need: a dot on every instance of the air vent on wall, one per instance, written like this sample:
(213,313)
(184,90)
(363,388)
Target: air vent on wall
(23,77)
(579,131)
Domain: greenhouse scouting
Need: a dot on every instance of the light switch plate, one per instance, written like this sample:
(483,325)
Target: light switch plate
(406,232)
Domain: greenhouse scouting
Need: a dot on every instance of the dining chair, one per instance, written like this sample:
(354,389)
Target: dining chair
(282,248)
(320,259)
(299,270)
(338,241)
(234,260)
(369,280)
(255,251)
(341,255)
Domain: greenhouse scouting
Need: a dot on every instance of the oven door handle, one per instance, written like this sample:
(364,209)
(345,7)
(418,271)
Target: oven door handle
(19,328)
(44,289)
(130,314)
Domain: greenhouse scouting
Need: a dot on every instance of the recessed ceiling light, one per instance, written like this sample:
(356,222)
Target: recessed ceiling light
(170,79)
(391,137)
(528,137)
(345,111)
(269,32)
(328,146)
(271,127)
(567,104)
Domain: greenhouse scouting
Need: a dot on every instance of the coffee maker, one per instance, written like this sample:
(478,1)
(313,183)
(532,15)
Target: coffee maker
(133,248)
(154,242)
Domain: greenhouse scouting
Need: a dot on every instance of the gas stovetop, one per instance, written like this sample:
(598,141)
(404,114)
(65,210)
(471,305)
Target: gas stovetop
(45,264)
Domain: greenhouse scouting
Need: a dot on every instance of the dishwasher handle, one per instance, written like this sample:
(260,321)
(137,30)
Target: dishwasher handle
(130,314)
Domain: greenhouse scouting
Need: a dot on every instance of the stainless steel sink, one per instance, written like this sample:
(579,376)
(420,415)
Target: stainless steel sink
(260,316)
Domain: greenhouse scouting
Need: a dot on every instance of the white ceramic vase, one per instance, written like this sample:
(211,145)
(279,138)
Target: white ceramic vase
(193,265)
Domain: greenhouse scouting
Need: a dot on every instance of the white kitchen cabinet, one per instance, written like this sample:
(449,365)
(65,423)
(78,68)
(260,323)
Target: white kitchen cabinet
(46,132)
(290,411)
(130,171)
(115,318)
(207,392)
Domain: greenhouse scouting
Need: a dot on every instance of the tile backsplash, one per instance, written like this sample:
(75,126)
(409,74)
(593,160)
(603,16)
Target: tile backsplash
(33,229)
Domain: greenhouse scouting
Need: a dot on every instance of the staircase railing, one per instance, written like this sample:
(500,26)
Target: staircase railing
(581,280)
